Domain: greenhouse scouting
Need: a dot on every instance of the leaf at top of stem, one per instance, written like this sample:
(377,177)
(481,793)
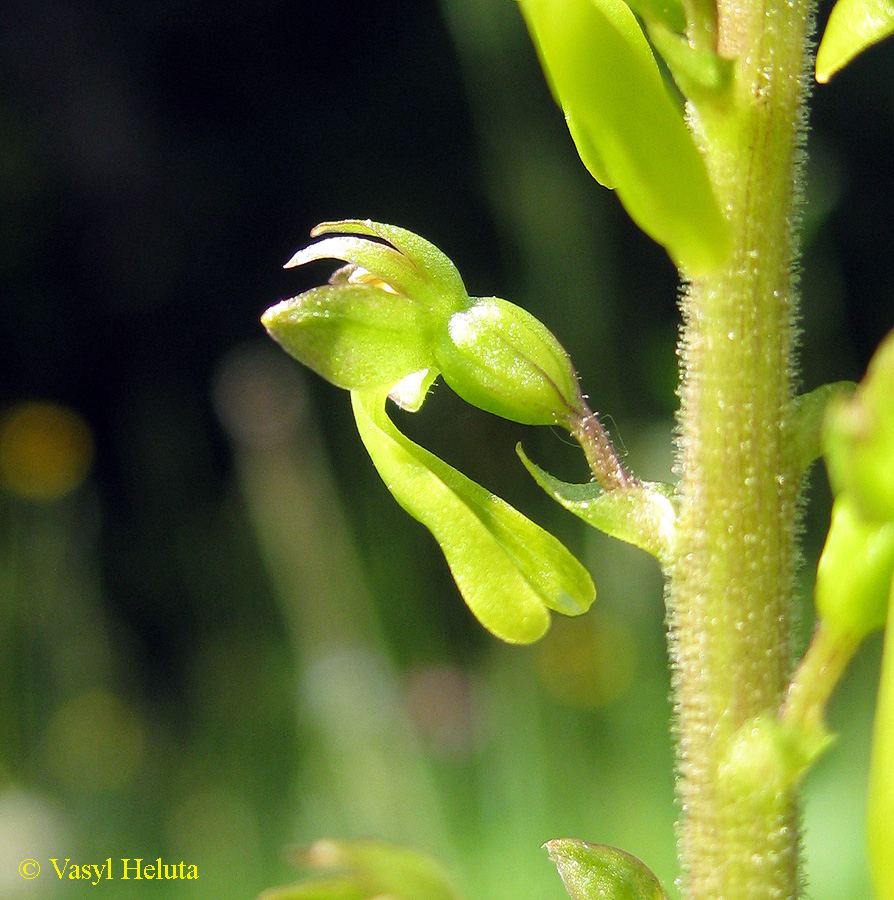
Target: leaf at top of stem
(599,872)
(641,514)
(628,130)
(853,26)
(509,571)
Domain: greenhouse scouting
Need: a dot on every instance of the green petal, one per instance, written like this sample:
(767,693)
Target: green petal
(641,514)
(353,335)
(380,260)
(628,130)
(598,872)
(450,292)
(853,26)
(508,570)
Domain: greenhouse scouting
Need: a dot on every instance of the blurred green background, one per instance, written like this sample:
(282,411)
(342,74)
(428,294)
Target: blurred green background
(219,636)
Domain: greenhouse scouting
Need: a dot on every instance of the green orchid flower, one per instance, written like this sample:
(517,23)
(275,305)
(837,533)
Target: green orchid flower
(384,327)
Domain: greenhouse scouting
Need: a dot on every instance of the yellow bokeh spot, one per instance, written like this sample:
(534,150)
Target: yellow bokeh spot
(95,742)
(46,450)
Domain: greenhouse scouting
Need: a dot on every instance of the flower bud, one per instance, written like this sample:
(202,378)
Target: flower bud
(853,578)
(500,358)
(858,439)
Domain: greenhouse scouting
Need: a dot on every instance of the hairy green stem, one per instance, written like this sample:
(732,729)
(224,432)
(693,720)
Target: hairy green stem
(732,576)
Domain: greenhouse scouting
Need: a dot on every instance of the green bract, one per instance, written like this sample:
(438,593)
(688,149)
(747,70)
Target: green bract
(509,570)
(641,514)
(853,26)
(500,358)
(598,872)
(629,133)
(854,574)
(858,439)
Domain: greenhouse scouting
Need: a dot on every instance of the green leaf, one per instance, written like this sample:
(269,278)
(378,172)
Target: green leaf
(598,872)
(364,870)
(500,358)
(508,570)
(628,131)
(353,335)
(858,439)
(880,806)
(853,26)
(854,573)
(642,514)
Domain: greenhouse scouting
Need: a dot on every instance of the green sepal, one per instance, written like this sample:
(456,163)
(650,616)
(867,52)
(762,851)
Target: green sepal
(642,514)
(364,870)
(854,573)
(853,26)
(700,74)
(880,801)
(627,128)
(858,439)
(599,872)
(408,263)
(807,421)
(353,335)
(509,571)
(500,358)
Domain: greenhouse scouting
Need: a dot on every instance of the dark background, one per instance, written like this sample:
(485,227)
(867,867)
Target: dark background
(158,163)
